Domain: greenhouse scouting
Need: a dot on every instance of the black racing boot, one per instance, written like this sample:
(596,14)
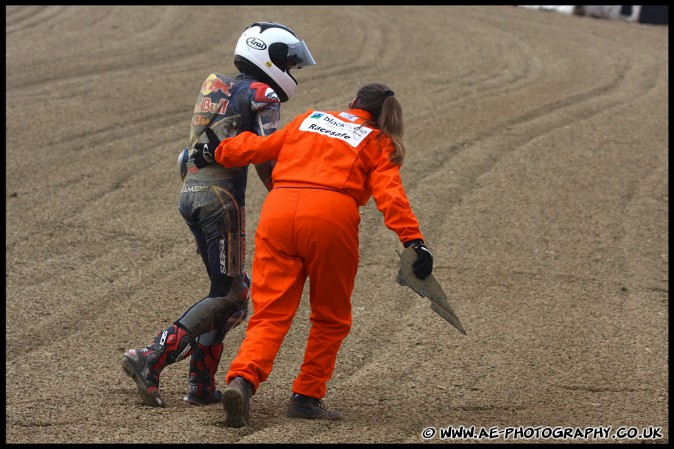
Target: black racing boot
(236,402)
(203,366)
(302,406)
(144,365)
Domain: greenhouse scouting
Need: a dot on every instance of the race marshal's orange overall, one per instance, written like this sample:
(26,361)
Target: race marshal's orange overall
(328,164)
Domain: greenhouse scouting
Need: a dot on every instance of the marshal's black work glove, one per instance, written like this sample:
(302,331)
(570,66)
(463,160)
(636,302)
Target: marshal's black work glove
(204,153)
(423,266)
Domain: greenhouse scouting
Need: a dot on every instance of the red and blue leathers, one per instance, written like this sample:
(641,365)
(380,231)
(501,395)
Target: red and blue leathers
(212,200)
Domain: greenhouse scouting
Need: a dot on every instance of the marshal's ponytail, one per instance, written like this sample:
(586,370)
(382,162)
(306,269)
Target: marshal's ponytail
(387,115)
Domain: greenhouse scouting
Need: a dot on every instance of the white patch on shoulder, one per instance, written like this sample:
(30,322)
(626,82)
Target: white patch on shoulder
(269,93)
(330,126)
(349,117)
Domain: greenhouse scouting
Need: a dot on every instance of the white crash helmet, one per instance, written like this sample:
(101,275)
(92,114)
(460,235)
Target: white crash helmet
(268,50)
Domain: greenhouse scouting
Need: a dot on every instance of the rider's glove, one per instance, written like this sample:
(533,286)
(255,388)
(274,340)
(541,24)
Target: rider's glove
(423,266)
(204,153)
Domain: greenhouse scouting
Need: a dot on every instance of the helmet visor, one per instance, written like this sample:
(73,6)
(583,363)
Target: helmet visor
(300,55)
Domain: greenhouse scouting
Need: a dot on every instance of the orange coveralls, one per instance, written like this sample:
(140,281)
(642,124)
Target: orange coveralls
(328,164)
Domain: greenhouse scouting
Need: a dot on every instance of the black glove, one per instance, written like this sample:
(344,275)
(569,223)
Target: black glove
(423,266)
(204,153)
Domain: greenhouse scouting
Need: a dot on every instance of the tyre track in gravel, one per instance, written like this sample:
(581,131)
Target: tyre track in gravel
(568,108)
(111,242)
(67,220)
(66,223)
(22,19)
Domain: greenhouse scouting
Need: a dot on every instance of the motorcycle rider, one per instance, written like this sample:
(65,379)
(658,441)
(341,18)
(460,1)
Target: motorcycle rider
(212,203)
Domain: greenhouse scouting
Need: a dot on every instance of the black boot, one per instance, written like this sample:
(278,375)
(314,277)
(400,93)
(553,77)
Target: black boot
(236,402)
(302,406)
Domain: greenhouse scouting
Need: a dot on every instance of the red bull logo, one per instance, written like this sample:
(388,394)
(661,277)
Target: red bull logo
(214,84)
(207,106)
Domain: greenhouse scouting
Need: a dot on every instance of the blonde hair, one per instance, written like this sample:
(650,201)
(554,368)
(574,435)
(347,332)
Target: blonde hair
(387,116)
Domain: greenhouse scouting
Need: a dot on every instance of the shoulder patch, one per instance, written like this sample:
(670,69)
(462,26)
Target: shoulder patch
(262,92)
(349,117)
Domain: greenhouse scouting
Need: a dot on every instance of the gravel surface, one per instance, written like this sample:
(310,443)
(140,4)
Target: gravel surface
(537,166)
